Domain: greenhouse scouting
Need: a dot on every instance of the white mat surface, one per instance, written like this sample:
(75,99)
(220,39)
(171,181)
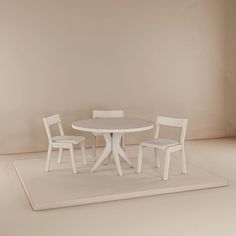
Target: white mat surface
(61,188)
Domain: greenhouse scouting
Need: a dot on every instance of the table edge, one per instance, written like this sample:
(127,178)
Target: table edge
(126,130)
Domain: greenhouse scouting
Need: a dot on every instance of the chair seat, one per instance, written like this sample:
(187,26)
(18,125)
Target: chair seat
(68,139)
(160,143)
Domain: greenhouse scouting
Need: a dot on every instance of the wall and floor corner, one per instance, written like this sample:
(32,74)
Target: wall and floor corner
(146,57)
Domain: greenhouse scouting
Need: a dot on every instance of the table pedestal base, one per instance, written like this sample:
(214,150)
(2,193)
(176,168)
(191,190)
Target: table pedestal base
(113,145)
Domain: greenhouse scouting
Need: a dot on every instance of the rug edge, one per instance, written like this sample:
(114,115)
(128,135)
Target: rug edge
(117,197)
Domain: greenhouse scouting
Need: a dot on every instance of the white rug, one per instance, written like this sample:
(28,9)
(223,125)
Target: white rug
(61,188)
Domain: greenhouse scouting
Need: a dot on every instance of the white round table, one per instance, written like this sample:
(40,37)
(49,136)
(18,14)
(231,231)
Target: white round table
(112,129)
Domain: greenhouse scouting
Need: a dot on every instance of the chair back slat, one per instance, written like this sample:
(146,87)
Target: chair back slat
(52,120)
(108,114)
(172,122)
(169,121)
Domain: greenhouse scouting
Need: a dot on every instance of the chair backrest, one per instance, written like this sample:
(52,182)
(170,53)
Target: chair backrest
(172,122)
(52,120)
(108,114)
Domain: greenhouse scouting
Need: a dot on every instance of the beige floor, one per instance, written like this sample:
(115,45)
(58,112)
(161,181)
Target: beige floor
(206,212)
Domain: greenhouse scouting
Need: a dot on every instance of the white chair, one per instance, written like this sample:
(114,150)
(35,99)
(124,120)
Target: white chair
(169,145)
(105,114)
(62,142)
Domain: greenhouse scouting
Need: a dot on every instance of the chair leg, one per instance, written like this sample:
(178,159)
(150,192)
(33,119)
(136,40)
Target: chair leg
(72,156)
(60,155)
(94,147)
(183,161)
(167,166)
(83,153)
(48,157)
(157,159)
(140,159)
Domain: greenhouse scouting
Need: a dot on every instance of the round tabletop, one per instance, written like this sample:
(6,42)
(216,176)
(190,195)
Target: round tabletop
(113,125)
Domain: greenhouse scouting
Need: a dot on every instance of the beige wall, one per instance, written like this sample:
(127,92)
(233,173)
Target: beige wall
(147,57)
(230,26)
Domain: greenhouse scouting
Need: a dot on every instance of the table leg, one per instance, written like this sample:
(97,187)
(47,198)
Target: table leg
(108,159)
(106,152)
(124,156)
(116,143)
(113,145)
